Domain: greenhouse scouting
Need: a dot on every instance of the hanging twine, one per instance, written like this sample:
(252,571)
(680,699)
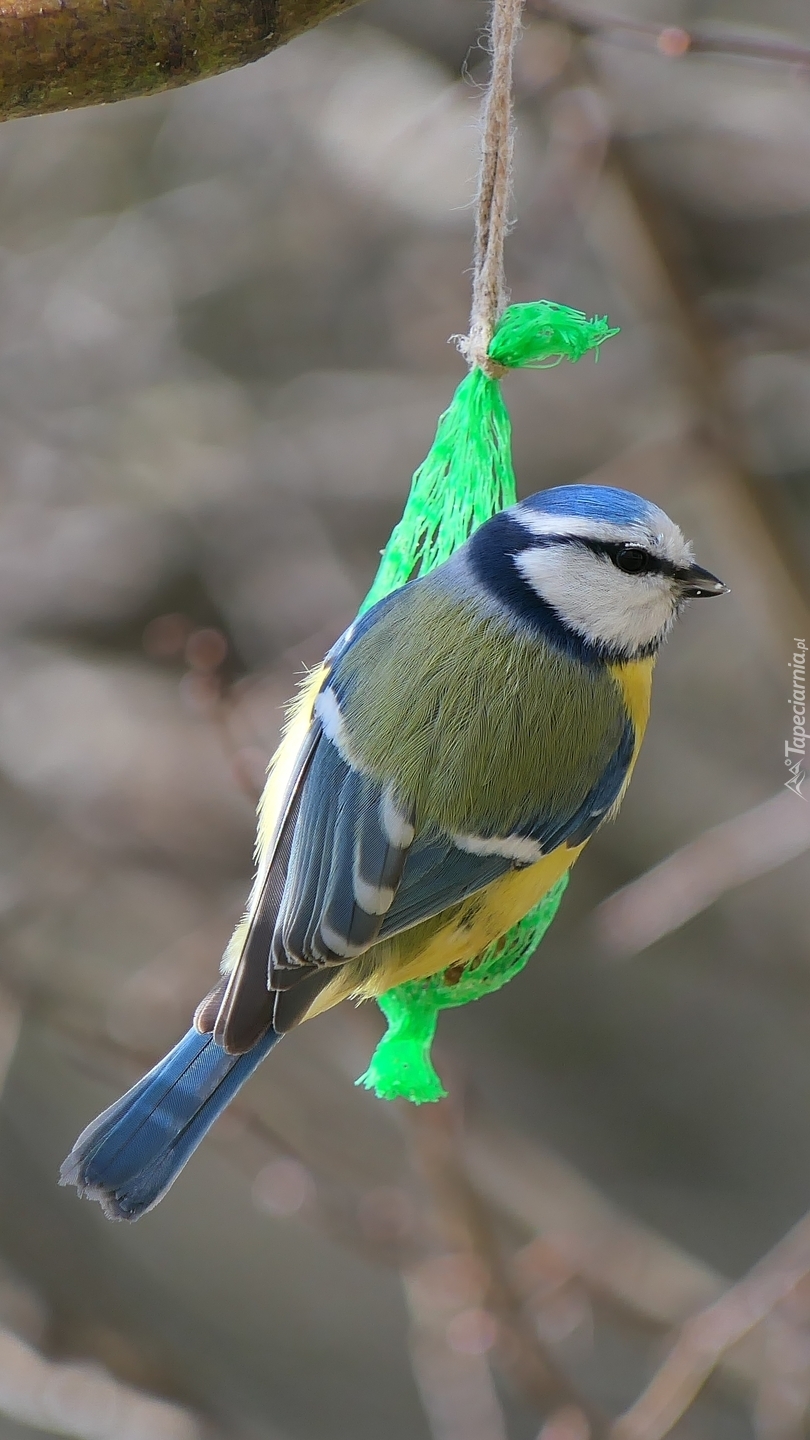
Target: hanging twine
(466,478)
(490,296)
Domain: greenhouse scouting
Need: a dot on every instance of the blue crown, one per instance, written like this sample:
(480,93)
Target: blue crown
(595,502)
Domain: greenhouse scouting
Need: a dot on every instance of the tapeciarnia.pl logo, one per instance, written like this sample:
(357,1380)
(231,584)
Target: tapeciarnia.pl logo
(796,751)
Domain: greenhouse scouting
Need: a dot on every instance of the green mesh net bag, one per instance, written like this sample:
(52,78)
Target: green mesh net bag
(466,478)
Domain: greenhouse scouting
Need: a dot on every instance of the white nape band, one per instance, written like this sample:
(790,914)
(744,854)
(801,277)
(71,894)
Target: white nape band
(397,828)
(539,522)
(374,899)
(511,847)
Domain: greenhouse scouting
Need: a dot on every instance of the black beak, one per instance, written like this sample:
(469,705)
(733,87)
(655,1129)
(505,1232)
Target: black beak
(697,583)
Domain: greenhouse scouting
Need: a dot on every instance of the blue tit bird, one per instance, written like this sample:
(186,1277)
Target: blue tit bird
(442,770)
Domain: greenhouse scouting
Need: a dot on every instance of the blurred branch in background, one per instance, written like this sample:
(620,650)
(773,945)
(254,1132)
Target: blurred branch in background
(581,1232)
(698,874)
(464,1307)
(706,1338)
(631,221)
(673,41)
(783,1397)
(81,1400)
(627,224)
(472,1303)
(11,1014)
(74,1398)
(492,1317)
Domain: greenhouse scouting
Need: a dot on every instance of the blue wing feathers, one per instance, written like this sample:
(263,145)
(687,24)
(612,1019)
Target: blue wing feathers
(377,861)
(340,910)
(312,841)
(339,843)
(437,874)
(339,837)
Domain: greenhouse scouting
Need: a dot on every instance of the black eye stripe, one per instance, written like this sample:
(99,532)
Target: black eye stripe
(655,564)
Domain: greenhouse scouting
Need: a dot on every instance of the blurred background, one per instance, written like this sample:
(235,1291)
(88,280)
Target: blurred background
(224,316)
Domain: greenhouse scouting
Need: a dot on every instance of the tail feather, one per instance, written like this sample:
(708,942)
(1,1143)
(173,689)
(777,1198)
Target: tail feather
(130,1155)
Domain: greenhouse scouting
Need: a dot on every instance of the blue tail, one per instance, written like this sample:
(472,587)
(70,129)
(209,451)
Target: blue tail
(133,1152)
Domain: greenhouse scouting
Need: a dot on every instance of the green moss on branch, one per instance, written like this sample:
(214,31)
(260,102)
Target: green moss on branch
(61,54)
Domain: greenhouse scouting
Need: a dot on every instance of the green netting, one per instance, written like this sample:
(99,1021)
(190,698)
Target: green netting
(401,1066)
(466,478)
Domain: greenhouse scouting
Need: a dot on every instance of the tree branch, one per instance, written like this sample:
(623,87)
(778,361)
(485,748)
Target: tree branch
(706,868)
(61,54)
(707,1337)
(82,1400)
(466,1224)
(673,41)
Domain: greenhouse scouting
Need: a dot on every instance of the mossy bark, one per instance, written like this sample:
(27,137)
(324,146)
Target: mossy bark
(61,54)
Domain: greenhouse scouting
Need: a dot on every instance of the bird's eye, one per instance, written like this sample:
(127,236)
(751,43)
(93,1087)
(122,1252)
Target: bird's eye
(632,559)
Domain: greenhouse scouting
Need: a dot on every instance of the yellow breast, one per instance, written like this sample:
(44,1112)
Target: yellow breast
(635,682)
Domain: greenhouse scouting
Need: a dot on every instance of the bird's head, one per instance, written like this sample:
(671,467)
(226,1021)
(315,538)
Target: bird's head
(602,571)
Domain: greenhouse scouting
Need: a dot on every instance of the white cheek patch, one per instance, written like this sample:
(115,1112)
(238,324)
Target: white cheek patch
(598,601)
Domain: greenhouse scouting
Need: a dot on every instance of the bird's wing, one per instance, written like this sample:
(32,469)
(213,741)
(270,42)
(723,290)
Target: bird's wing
(239,1009)
(351,867)
(358,873)
(335,869)
(440,871)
